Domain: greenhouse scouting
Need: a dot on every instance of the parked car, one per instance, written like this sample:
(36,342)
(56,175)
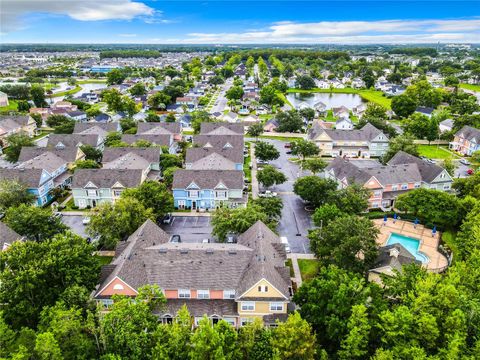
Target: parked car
(167,219)
(56,214)
(464,162)
(288,145)
(267,193)
(470,172)
(175,239)
(284,241)
(86,220)
(288,152)
(205,241)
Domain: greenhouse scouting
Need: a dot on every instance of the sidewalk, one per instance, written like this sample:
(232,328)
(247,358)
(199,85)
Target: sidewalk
(254,171)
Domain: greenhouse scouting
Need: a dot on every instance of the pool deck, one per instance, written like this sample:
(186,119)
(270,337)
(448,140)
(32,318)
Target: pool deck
(428,244)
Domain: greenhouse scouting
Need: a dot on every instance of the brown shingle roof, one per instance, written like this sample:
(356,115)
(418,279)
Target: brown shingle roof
(69,140)
(152,155)
(106,178)
(162,140)
(155,128)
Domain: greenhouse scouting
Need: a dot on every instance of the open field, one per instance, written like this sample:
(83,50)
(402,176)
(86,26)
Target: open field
(435,152)
(470,87)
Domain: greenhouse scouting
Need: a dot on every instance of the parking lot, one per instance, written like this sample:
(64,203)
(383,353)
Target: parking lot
(190,228)
(74,222)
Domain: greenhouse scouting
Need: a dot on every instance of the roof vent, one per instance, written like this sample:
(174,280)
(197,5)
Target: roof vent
(184,251)
(232,252)
(394,252)
(162,251)
(209,251)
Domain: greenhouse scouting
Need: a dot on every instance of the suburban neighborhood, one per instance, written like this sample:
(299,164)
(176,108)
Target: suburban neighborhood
(247,201)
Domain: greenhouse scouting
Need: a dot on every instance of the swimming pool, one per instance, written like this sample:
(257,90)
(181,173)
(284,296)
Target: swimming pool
(411,244)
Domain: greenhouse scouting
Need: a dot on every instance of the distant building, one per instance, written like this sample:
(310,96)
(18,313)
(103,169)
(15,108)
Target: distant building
(3,99)
(466,141)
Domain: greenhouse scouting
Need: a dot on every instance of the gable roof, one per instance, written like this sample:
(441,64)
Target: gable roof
(14,120)
(213,161)
(469,133)
(96,128)
(7,236)
(151,154)
(219,141)
(428,171)
(69,153)
(106,178)
(160,139)
(208,179)
(31,178)
(47,160)
(148,258)
(72,140)
(221,128)
(367,133)
(154,128)
(196,153)
(393,257)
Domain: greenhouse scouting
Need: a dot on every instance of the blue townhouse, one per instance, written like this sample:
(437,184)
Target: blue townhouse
(38,181)
(205,190)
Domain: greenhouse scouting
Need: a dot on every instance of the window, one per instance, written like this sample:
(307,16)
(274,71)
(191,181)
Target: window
(245,321)
(446,187)
(203,294)
(117,193)
(184,293)
(404,186)
(263,288)
(276,306)
(377,193)
(106,302)
(394,187)
(416,186)
(248,306)
(229,294)
(118,287)
(231,321)
(375,205)
(193,193)
(221,194)
(91,192)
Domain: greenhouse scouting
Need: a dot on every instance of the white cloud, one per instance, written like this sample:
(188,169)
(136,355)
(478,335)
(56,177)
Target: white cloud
(12,11)
(351,32)
(127,35)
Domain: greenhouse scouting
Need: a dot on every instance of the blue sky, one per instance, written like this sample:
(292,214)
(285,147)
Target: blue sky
(247,22)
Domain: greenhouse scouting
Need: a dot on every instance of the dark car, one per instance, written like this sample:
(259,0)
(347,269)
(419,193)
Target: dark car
(167,219)
(287,145)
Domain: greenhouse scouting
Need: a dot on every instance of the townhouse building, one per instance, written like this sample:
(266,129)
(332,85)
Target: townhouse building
(59,141)
(365,142)
(91,187)
(207,158)
(386,182)
(221,128)
(161,128)
(466,140)
(208,189)
(164,140)
(96,128)
(55,166)
(16,124)
(235,282)
(38,182)
(145,159)
(69,154)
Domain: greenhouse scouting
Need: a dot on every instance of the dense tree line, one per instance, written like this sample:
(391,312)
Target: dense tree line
(130,54)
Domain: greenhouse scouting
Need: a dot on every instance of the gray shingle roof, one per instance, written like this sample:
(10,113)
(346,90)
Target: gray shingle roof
(208,179)
(220,141)
(428,171)
(72,140)
(148,258)
(7,236)
(162,140)
(106,178)
(154,128)
(29,177)
(385,258)
(367,133)
(97,128)
(47,161)
(469,133)
(14,120)
(196,153)
(221,128)
(199,307)
(213,161)
(152,155)
(69,154)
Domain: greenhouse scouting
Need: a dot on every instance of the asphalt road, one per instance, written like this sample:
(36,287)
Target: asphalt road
(74,222)
(221,101)
(295,221)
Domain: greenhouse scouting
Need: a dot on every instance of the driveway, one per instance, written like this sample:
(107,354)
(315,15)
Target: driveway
(190,228)
(295,221)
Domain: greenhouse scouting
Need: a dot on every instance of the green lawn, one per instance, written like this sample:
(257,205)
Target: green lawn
(12,106)
(448,237)
(281,138)
(67,92)
(284,98)
(434,152)
(104,260)
(367,95)
(246,164)
(308,268)
(92,81)
(470,87)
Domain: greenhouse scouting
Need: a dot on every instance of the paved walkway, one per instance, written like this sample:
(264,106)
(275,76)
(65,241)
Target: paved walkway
(254,171)
(296,269)
(191,213)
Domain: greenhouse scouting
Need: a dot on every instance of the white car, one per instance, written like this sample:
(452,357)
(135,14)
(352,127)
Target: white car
(464,162)
(284,241)
(86,220)
(267,193)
